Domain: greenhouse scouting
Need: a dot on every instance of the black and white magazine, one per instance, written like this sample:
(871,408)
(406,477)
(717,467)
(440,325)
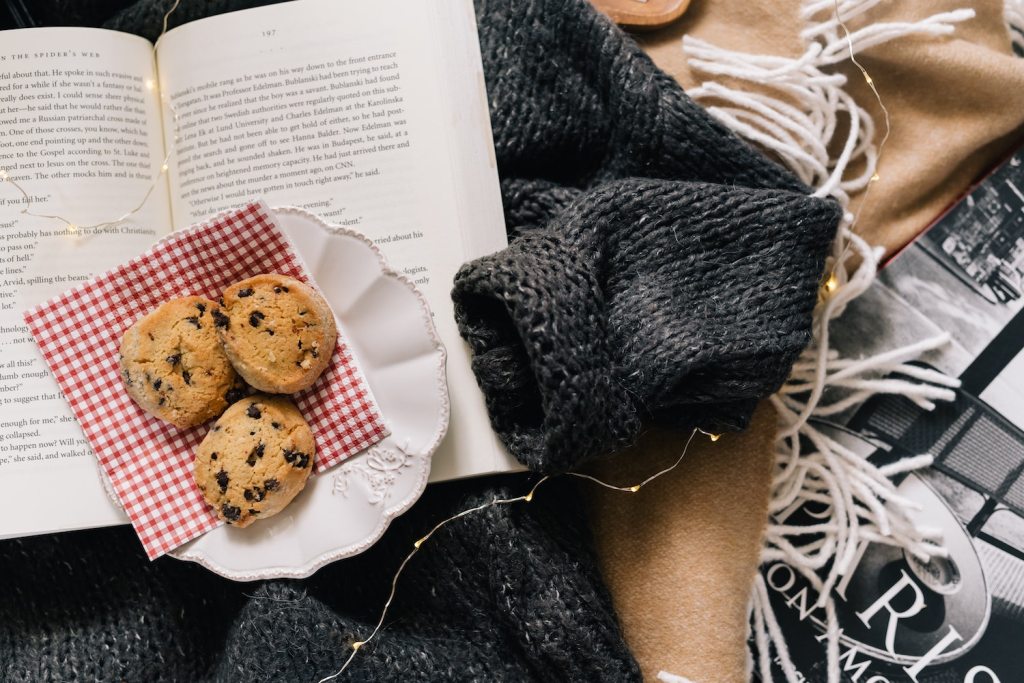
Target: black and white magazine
(959,618)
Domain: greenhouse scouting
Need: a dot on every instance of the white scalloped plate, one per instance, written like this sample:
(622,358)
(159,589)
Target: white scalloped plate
(344,510)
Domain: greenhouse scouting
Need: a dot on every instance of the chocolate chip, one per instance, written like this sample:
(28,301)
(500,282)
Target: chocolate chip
(230,512)
(127,377)
(255,453)
(234,394)
(151,337)
(220,320)
(221,301)
(275,425)
(163,400)
(195,321)
(242,293)
(213,456)
(279,289)
(174,358)
(254,494)
(254,412)
(253,512)
(222,480)
(269,331)
(187,376)
(296,458)
(271,484)
(300,343)
(298,363)
(157,383)
(314,353)
(202,309)
(255,317)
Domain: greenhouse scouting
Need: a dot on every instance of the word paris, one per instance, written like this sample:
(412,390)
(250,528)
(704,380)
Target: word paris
(898,602)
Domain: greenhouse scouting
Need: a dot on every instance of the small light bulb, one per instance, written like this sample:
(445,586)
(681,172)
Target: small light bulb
(358,644)
(164,168)
(528,497)
(831,284)
(867,77)
(150,84)
(418,543)
(634,488)
(875,177)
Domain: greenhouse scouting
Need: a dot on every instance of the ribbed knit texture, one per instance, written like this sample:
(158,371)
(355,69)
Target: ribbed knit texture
(658,269)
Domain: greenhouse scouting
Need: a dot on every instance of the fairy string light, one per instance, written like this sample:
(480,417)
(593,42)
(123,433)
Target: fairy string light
(832,282)
(27,199)
(496,502)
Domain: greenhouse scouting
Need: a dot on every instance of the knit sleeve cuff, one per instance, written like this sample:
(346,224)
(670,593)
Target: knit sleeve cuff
(535,319)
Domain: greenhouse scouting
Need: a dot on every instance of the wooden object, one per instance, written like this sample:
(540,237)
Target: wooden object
(642,15)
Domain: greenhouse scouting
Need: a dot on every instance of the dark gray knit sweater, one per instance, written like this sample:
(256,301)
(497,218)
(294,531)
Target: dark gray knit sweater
(658,269)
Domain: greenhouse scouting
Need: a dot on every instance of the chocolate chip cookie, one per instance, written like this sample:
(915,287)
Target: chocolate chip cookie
(255,459)
(278,332)
(174,367)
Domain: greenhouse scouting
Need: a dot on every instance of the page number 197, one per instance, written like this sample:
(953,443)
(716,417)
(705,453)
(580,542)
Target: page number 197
(269,33)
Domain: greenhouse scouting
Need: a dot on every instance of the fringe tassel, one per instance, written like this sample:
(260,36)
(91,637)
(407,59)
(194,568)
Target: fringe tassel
(797,110)
(666,677)
(1013,12)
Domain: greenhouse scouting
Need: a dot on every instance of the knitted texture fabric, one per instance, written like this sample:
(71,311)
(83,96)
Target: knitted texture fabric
(658,267)
(509,595)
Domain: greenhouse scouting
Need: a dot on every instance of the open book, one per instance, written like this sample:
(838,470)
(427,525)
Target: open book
(373,115)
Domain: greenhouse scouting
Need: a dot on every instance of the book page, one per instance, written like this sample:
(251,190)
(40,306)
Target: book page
(79,132)
(372,115)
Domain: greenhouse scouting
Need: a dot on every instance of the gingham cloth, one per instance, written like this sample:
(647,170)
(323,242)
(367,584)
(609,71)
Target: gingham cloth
(148,461)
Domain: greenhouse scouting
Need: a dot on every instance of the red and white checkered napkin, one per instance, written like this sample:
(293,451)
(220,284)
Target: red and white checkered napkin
(149,462)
